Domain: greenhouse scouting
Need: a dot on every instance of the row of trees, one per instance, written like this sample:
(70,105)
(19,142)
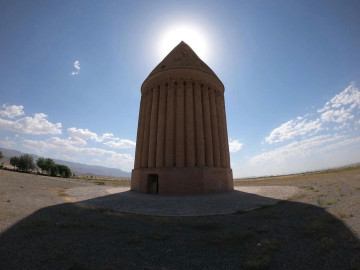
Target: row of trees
(47,165)
(23,163)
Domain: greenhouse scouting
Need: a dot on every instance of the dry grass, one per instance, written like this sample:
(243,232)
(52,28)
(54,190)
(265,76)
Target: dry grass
(344,214)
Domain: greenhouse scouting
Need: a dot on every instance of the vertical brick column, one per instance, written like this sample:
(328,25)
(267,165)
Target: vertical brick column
(221,130)
(160,141)
(180,126)
(145,149)
(199,127)
(139,136)
(214,128)
(227,153)
(170,127)
(189,125)
(153,128)
(209,157)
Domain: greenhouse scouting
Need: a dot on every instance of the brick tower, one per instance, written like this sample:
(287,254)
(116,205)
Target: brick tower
(182,141)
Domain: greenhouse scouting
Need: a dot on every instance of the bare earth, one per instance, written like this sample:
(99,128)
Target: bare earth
(122,200)
(43,228)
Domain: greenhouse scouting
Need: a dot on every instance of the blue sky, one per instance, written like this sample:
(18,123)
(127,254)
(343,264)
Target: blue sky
(71,72)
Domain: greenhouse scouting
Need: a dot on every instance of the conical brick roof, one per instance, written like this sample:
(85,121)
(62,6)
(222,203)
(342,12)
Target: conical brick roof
(183,57)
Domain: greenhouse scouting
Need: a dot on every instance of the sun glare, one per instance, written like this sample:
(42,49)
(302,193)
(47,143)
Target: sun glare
(194,37)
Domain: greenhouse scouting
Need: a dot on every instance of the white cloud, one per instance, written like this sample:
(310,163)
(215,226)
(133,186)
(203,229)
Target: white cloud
(61,148)
(121,144)
(235,145)
(83,134)
(37,125)
(76,141)
(316,153)
(108,136)
(7,143)
(349,97)
(292,129)
(341,144)
(296,149)
(336,114)
(77,67)
(80,136)
(11,111)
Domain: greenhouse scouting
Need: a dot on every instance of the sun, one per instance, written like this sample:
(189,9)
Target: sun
(191,35)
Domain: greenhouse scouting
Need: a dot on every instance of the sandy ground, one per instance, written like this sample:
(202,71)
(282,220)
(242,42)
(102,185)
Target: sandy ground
(318,228)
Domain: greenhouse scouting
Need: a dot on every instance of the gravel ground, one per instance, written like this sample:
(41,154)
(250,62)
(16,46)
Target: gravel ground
(22,194)
(316,229)
(125,201)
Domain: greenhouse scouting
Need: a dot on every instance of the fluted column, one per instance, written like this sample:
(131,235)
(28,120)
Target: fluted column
(170,124)
(214,128)
(209,158)
(145,149)
(227,153)
(153,128)
(199,128)
(160,141)
(189,125)
(180,126)
(221,130)
(139,135)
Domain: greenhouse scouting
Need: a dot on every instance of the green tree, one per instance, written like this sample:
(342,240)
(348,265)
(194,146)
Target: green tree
(49,163)
(54,170)
(14,161)
(1,155)
(64,171)
(41,163)
(26,163)
(45,164)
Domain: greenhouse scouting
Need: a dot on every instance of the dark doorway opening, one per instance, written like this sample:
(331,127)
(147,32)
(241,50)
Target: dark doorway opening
(152,184)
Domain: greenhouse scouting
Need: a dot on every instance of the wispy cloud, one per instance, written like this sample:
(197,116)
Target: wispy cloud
(319,152)
(11,111)
(296,149)
(337,114)
(315,139)
(292,129)
(77,68)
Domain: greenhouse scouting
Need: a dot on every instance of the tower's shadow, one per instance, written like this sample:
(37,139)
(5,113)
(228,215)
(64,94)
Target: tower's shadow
(288,235)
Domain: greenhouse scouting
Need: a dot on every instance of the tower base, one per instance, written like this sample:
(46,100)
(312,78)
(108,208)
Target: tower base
(181,180)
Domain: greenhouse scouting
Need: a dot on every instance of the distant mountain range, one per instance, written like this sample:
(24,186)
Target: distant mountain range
(77,168)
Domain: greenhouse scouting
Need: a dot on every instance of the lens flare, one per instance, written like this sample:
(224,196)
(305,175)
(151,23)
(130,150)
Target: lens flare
(191,35)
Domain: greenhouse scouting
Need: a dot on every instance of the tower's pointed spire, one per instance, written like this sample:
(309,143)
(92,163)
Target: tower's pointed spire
(182,56)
